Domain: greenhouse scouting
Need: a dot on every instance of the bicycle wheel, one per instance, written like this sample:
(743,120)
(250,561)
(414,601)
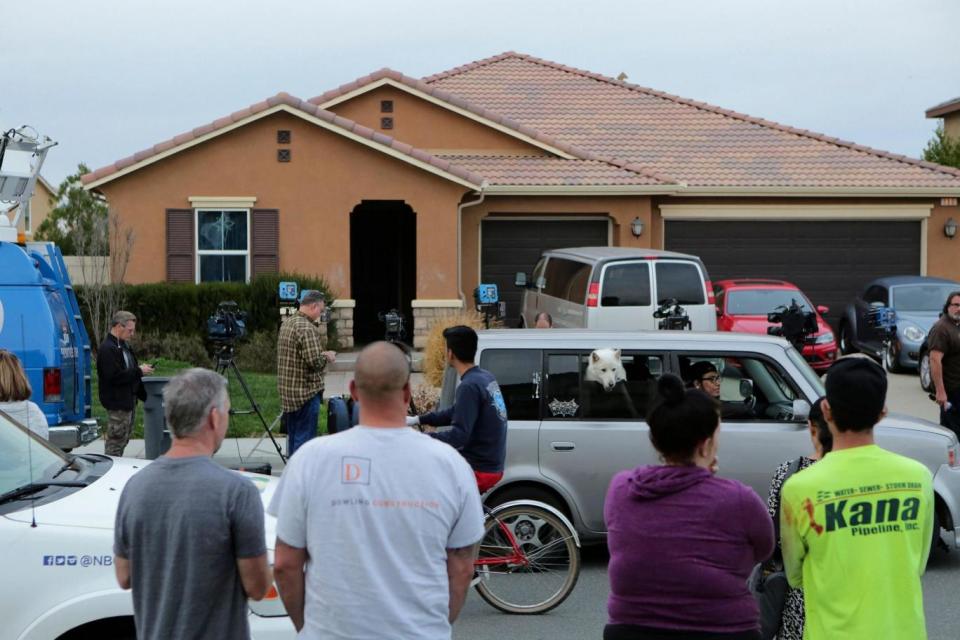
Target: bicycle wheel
(536,575)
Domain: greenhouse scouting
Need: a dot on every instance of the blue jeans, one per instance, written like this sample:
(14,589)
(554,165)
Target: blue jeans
(302,423)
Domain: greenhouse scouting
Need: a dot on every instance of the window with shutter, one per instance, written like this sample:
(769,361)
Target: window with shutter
(265,241)
(180,245)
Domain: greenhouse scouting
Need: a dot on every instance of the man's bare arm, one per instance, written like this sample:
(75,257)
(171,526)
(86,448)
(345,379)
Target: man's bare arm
(936,374)
(121,566)
(288,566)
(255,576)
(460,572)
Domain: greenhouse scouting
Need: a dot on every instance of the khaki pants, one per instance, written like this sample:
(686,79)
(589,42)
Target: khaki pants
(119,428)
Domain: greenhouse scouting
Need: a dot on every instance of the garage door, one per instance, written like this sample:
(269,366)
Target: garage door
(508,246)
(830,261)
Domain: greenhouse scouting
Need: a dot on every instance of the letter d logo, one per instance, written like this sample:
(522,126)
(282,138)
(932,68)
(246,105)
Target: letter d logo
(354,470)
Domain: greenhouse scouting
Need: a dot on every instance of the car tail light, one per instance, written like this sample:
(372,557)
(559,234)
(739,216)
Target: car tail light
(711,298)
(952,456)
(52,385)
(593,294)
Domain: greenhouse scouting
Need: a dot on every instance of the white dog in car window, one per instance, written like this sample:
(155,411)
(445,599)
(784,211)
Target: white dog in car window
(605,368)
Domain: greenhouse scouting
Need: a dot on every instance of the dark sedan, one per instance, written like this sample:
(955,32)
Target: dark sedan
(917,300)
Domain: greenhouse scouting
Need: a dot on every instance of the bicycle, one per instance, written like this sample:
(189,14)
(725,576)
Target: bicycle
(529,558)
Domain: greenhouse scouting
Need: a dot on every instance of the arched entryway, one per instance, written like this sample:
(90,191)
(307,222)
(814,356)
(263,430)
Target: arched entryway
(383,265)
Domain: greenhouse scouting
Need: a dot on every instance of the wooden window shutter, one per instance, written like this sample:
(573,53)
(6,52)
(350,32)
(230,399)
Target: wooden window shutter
(265,239)
(181,247)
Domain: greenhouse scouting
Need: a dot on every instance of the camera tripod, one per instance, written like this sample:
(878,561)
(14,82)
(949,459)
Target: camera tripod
(224,355)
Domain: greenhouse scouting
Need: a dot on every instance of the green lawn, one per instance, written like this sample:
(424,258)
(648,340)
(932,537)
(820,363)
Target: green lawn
(263,387)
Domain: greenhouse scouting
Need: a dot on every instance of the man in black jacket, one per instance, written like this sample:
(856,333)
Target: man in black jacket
(119,377)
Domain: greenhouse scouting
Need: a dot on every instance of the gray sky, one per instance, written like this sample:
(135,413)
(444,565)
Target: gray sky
(107,79)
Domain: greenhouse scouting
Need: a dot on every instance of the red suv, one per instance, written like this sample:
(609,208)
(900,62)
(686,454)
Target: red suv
(743,305)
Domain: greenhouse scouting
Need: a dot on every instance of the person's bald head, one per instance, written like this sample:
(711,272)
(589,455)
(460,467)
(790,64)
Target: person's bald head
(381,373)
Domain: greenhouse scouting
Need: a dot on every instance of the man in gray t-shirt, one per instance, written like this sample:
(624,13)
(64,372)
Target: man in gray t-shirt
(189,536)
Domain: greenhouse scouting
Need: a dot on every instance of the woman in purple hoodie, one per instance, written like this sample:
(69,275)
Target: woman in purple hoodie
(683,541)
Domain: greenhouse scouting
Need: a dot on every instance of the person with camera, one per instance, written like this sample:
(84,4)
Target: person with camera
(301,363)
(478,417)
(119,377)
(944,344)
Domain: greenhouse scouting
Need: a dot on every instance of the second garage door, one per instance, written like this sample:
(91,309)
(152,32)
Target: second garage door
(830,261)
(508,246)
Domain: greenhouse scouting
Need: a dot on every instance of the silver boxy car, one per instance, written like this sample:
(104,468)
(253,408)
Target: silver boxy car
(568,435)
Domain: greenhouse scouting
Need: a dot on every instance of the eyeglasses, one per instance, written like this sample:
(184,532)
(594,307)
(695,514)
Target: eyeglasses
(713,378)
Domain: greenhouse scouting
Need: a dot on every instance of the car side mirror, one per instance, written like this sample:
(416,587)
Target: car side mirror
(746,388)
(521,279)
(822,309)
(801,410)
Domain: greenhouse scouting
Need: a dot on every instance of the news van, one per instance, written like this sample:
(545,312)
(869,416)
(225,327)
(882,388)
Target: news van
(40,322)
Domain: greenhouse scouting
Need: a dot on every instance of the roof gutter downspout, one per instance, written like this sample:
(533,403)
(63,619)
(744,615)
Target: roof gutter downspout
(460,208)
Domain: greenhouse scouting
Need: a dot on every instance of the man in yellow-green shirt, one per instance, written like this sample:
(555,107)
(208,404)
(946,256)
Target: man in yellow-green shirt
(856,527)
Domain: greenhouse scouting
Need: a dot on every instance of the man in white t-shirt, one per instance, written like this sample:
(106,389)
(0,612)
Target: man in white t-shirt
(377,526)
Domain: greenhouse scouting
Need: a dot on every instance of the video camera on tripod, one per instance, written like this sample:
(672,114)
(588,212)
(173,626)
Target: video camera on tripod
(394,325)
(227,324)
(797,324)
(487,299)
(884,320)
(672,316)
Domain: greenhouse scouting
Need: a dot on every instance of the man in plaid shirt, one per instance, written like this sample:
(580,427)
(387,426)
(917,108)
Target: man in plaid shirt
(301,362)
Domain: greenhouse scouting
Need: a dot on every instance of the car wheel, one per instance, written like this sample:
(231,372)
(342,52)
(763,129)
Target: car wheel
(926,378)
(846,345)
(891,359)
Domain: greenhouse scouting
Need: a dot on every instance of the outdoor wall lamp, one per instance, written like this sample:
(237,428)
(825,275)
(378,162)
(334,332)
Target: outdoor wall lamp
(950,228)
(636,227)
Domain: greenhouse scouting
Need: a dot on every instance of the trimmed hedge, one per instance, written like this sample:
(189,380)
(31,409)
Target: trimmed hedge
(183,308)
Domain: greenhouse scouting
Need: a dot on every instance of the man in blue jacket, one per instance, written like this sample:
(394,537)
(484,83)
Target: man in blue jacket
(478,417)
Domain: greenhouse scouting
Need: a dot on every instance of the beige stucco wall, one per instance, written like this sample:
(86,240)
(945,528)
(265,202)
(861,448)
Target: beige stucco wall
(41,204)
(951,125)
(328,176)
(943,253)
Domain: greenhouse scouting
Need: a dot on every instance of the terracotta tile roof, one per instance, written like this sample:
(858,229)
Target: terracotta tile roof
(284,98)
(697,143)
(483,112)
(512,170)
(944,108)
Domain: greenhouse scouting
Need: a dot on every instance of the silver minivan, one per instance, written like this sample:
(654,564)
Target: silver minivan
(616,288)
(567,437)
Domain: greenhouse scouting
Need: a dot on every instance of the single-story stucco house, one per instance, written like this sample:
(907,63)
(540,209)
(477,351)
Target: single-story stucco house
(407,193)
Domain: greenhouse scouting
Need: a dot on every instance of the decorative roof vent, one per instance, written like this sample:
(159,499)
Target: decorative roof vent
(386,123)
(283,136)
(386,106)
(283,155)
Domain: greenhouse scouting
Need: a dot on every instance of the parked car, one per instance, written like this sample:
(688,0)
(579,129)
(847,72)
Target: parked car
(743,305)
(616,288)
(917,301)
(567,437)
(56,529)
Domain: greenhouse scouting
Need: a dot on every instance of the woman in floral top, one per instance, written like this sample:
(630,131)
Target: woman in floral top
(791,625)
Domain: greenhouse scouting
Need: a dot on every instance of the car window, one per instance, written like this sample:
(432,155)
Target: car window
(679,280)
(626,285)
(561,275)
(807,372)
(921,297)
(518,373)
(760,302)
(594,385)
(24,457)
(751,387)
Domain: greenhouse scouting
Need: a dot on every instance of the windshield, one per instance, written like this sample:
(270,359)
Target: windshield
(808,374)
(24,457)
(921,297)
(760,302)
